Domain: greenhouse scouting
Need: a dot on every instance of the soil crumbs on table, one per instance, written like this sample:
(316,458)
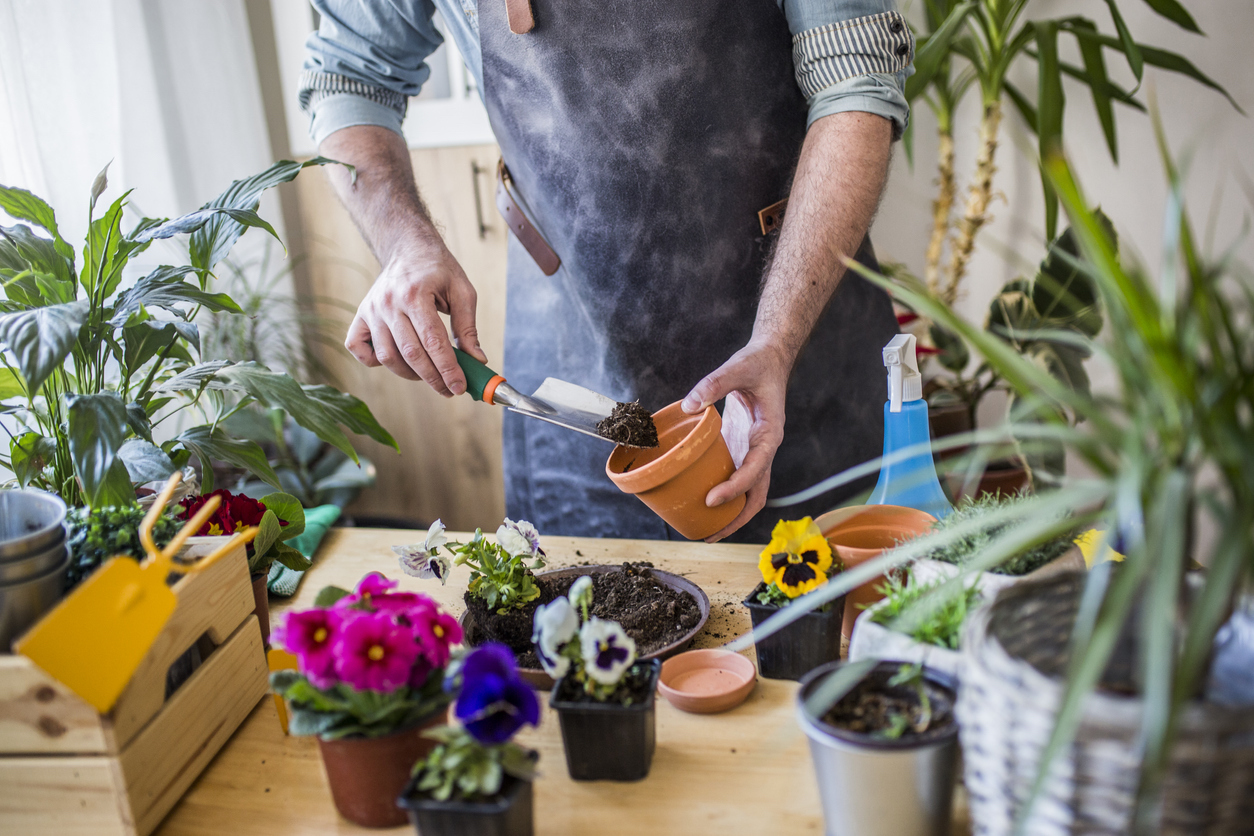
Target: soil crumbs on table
(634,688)
(873,707)
(653,614)
(629,424)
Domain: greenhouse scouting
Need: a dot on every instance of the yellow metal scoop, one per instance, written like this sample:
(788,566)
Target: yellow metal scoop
(96,637)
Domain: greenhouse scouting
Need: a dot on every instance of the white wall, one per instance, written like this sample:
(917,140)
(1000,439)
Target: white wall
(1197,120)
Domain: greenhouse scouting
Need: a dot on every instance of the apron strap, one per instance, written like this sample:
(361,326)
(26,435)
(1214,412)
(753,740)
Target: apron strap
(531,239)
(521,20)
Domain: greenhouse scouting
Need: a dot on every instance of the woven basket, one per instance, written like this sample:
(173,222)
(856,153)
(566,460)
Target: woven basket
(1012,686)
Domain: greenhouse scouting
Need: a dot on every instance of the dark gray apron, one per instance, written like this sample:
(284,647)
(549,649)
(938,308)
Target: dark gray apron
(644,137)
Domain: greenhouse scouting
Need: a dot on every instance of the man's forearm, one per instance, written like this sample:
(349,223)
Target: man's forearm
(836,190)
(384,201)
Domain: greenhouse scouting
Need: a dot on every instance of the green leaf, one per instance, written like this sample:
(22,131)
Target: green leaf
(42,338)
(29,454)
(934,49)
(210,444)
(1177,14)
(1099,84)
(24,206)
(1050,103)
(22,249)
(11,384)
(1129,47)
(214,239)
(328,595)
(280,391)
(291,558)
(268,531)
(144,341)
(106,252)
(288,509)
(1021,103)
(351,412)
(145,461)
(97,429)
(164,288)
(953,351)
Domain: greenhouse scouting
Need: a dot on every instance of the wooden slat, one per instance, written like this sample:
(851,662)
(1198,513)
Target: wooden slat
(165,758)
(38,714)
(216,601)
(59,796)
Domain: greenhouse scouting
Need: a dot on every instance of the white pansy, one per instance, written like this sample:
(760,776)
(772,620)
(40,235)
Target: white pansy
(424,561)
(519,539)
(607,650)
(555,625)
(581,592)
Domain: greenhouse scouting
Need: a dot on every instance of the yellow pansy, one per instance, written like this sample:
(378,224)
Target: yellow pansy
(797,559)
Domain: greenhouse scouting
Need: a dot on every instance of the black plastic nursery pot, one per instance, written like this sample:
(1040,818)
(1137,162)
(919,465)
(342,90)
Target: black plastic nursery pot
(810,641)
(608,741)
(508,813)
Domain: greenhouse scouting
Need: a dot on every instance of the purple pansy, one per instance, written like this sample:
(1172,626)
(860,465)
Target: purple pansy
(494,702)
(607,650)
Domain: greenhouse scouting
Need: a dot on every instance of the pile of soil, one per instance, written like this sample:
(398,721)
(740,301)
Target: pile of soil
(629,424)
(653,614)
(871,706)
(635,687)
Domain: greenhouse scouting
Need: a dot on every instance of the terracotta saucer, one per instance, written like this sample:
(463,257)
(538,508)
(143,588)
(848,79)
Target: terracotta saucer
(706,681)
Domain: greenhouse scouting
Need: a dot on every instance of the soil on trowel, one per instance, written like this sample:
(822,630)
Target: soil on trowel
(873,707)
(653,614)
(629,424)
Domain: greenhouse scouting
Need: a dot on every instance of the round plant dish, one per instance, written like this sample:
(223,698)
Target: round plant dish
(706,681)
(541,681)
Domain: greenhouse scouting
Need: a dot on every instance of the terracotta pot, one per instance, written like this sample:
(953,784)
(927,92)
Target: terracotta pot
(861,532)
(674,477)
(949,419)
(1000,478)
(261,604)
(367,774)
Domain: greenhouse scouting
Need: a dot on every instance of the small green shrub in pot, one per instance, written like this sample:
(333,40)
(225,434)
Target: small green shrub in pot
(96,534)
(967,546)
(940,620)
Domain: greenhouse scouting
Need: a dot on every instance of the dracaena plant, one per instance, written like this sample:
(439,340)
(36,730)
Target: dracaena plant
(1174,437)
(968,45)
(91,368)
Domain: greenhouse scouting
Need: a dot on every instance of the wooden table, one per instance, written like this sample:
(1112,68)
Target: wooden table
(743,772)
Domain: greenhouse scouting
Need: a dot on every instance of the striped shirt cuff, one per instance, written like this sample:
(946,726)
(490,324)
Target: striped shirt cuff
(316,86)
(876,44)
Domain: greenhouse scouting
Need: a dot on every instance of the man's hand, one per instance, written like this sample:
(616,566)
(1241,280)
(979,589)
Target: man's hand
(754,382)
(843,166)
(398,323)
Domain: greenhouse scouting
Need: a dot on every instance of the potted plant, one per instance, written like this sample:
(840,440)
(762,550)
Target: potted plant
(91,365)
(661,612)
(93,535)
(278,516)
(927,636)
(369,681)
(797,560)
(604,698)
(476,779)
(884,744)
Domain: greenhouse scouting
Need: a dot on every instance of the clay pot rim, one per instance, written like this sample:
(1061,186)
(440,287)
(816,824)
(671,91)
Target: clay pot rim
(740,669)
(873,516)
(665,467)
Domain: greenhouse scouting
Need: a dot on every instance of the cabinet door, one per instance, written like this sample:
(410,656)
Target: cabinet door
(450,460)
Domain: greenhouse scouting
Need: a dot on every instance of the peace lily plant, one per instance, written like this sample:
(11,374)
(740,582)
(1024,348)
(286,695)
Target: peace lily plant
(91,368)
(501,572)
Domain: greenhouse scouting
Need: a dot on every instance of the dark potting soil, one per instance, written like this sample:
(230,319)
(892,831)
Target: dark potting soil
(634,688)
(653,614)
(872,706)
(629,424)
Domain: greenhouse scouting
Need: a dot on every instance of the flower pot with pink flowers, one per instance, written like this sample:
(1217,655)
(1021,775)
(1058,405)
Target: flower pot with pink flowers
(604,697)
(477,781)
(278,517)
(369,681)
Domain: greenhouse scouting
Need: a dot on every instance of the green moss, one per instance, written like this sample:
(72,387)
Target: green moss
(963,550)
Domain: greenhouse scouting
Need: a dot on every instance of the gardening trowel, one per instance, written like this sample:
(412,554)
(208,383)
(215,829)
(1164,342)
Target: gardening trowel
(97,636)
(556,401)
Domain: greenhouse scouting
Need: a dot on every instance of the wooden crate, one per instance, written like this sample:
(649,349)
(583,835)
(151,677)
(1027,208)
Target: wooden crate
(66,770)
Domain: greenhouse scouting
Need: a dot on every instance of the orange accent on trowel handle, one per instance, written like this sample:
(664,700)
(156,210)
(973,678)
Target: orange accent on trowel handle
(490,389)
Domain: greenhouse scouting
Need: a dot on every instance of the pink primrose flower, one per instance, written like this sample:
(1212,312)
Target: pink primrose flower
(375,653)
(435,632)
(311,635)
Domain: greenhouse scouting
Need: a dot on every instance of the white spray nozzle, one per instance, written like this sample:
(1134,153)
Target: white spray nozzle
(904,381)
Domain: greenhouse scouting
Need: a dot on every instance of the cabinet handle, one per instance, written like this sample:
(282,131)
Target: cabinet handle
(475,171)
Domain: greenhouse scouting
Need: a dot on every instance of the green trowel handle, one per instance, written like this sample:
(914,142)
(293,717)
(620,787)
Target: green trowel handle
(478,376)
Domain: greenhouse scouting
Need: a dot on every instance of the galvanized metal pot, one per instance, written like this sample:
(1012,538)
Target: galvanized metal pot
(874,787)
(30,521)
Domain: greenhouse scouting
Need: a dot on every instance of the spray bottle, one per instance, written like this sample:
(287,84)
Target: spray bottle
(910,482)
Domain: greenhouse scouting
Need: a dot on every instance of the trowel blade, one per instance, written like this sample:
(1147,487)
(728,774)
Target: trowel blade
(568,405)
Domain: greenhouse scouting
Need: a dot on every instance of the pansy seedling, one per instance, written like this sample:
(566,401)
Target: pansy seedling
(798,558)
(556,623)
(424,560)
(607,650)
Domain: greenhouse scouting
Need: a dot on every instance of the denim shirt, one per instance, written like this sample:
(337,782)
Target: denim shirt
(368,58)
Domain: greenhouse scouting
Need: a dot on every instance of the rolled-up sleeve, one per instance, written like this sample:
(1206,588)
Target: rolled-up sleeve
(852,55)
(364,62)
